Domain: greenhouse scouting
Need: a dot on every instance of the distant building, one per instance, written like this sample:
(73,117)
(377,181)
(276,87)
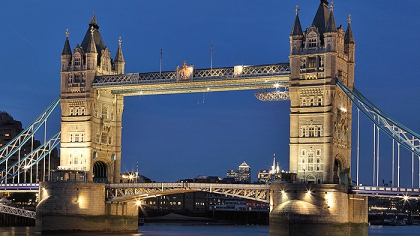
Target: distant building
(232,174)
(9,129)
(207,179)
(244,173)
(264,176)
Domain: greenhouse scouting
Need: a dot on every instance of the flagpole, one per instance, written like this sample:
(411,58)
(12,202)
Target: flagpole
(211,56)
(160,64)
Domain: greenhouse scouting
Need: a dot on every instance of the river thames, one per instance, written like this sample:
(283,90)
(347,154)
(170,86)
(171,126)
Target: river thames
(159,229)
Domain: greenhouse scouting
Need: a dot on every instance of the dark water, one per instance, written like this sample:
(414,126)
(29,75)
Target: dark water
(205,230)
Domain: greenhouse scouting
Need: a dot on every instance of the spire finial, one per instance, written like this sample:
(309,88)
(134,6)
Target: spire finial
(67,33)
(332,5)
(94,13)
(297,9)
(349,19)
(119,41)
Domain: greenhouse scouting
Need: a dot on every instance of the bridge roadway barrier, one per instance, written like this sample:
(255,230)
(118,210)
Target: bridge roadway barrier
(129,191)
(386,191)
(21,187)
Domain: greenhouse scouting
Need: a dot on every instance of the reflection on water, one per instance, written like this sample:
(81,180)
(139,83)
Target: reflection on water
(224,230)
(294,229)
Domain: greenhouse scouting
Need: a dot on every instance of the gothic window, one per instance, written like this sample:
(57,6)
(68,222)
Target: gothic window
(302,63)
(77,60)
(319,101)
(307,131)
(311,131)
(312,101)
(104,138)
(321,61)
(109,140)
(312,43)
(104,112)
(303,152)
(312,62)
(318,152)
(71,112)
(310,157)
(304,102)
(316,133)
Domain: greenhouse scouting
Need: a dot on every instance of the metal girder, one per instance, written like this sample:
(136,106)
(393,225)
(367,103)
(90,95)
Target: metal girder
(206,80)
(30,159)
(16,143)
(17,211)
(126,192)
(397,131)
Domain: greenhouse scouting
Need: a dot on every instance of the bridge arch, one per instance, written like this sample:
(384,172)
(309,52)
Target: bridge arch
(340,174)
(100,172)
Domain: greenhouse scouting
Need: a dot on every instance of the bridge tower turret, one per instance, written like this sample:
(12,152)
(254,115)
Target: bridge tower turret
(320,113)
(91,119)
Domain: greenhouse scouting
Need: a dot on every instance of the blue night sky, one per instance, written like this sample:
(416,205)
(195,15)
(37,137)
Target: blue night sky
(182,136)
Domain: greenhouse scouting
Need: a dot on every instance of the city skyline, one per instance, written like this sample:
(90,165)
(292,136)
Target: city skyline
(182,136)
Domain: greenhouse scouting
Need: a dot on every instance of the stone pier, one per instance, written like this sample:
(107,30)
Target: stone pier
(316,209)
(81,207)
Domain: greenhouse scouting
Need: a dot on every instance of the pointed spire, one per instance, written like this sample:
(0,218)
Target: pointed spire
(67,48)
(297,28)
(91,45)
(94,21)
(119,56)
(331,26)
(321,17)
(348,37)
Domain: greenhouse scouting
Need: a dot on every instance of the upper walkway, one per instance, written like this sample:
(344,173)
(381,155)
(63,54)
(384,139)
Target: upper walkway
(186,79)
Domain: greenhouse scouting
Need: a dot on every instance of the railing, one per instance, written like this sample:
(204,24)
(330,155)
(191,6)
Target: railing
(127,191)
(17,211)
(30,187)
(386,191)
(198,75)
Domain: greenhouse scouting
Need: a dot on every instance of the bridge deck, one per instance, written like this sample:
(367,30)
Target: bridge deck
(188,80)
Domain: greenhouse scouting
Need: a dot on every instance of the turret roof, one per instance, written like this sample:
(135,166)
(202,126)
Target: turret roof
(348,37)
(331,26)
(119,56)
(96,36)
(321,18)
(297,28)
(66,48)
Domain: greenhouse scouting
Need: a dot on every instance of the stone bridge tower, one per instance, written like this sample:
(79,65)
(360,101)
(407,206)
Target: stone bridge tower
(90,118)
(320,113)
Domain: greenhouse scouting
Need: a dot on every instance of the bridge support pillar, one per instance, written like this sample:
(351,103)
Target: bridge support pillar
(321,209)
(80,206)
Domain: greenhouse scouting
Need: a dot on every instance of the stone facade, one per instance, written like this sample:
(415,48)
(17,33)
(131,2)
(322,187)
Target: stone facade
(79,206)
(91,119)
(325,205)
(320,113)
